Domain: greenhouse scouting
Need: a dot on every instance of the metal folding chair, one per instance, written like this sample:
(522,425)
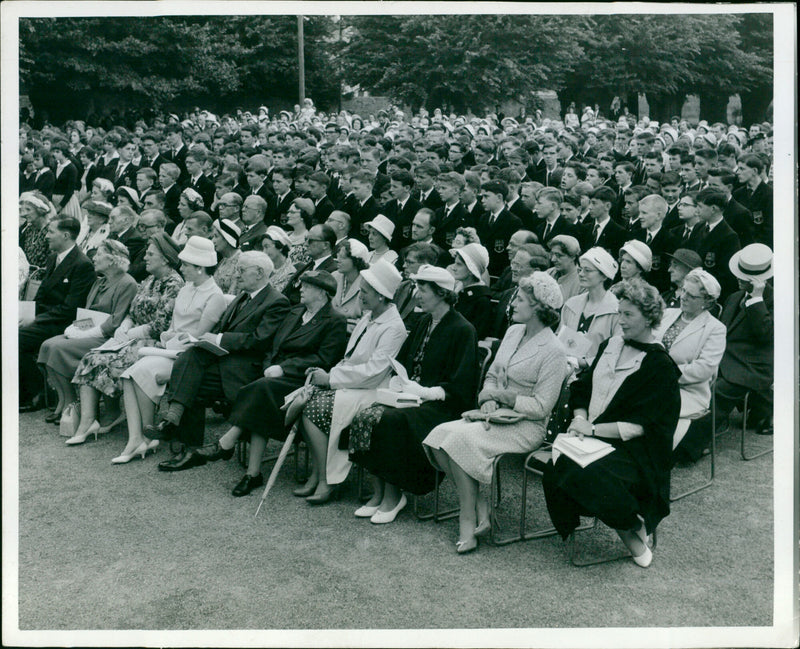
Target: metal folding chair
(605,558)
(712,454)
(742,451)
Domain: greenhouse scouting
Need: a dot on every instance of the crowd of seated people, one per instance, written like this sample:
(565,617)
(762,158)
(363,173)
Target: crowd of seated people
(228,263)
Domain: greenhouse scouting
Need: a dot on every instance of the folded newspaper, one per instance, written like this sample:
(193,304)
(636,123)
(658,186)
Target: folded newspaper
(581,451)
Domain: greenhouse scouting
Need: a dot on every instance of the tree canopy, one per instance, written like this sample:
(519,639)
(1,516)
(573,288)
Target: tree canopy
(463,61)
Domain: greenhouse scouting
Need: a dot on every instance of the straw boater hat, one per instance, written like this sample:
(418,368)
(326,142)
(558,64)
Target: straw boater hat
(199,251)
(383,225)
(383,277)
(752,262)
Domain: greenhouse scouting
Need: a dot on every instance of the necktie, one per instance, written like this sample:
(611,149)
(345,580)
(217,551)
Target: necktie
(547,229)
(596,232)
(649,239)
(687,232)
(242,303)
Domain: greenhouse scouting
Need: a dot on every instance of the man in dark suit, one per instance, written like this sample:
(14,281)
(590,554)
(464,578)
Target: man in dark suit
(736,214)
(452,215)
(719,242)
(168,176)
(550,223)
(470,198)
(402,208)
(320,242)
(550,175)
(178,150)
(125,172)
(151,156)
(68,277)
(365,207)
(313,335)
(671,189)
(496,225)
(756,196)
(691,230)
(198,181)
(425,175)
(253,210)
(318,183)
(282,184)
(652,211)
(603,231)
(246,331)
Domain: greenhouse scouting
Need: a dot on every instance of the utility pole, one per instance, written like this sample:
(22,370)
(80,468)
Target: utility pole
(301,61)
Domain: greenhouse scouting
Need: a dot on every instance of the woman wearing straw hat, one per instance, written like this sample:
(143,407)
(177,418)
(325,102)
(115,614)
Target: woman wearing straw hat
(150,314)
(474,299)
(198,307)
(226,243)
(592,314)
(379,235)
(351,385)
(351,258)
(276,244)
(695,340)
(440,357)
(35,211)
(526,376)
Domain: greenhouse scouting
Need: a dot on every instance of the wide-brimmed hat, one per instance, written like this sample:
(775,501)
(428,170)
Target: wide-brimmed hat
(752,262)
(382,225)
(435,275)
(383,277)
(602,260)
(688,258)
(168,247)
(475,258)
(100,208)
(640,252)
(321,279)
(229,231)
(199,251)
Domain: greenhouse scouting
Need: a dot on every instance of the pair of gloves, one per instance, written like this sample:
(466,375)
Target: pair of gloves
(435,393)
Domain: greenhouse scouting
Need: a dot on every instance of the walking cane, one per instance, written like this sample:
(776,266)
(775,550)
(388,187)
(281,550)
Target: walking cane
(294,409)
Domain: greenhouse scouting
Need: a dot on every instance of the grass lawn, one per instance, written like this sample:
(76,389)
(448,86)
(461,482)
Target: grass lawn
(129,547)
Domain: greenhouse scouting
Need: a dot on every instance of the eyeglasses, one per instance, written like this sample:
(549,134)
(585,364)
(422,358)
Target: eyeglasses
(686,204)
(685,293)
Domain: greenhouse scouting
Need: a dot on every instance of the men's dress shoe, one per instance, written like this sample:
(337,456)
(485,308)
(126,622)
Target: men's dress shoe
(164,429)
(764,427)
(178,457)
(218,453)
(379,517)
(53,418)
(247,484)
(189,460)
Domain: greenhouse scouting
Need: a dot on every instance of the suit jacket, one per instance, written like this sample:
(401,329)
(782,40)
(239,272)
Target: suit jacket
(750,341)
(740,219)
(251,239)
(759,203)
(45,182)
(322,210)
(171,199)
(336,194)
(716,249)
(548,179)
(154,164)
(205,187)
(292,290)
(495,238)
(179,158)
(360,215)
(697,350)
(692,242)
(433,200)
(276,214)
(612,238)
(136,246)
(64,288)
(123,177)
(247,333)
(320,342)
(672,219)
(474,215)
(660,246)
(524,213)
(560,226)
(447,224)
(67,183)
(402,219)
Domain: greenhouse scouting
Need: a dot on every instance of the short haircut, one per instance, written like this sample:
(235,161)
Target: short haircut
(328,234)
(424,252)
(203,219)
(257,259)
(657,202)
(496,187)
(158,217)
(171,169)
(712,197)
(321,178)
(404,178)
(753,161)
(363,176)
(580,169)
(707,154)
(257,201)
(670,179)
(509,176)
(285,172)
(70,225)
(727,178)
(148,173)
(604,194)
(427,168)
(551,194)
(627,166)
(637,191)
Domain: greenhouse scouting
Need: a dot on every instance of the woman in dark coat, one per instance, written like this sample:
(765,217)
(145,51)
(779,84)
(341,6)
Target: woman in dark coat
(631,400)
(440,356)
(474,298)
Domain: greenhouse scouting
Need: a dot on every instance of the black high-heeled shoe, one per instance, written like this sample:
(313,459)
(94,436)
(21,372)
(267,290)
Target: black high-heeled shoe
(53,417)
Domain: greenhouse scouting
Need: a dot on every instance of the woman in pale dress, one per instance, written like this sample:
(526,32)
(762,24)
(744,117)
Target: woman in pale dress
(379,235)
(351,259)
(198,308)
(277,246)
(592,313)
(525,376)
(226,242)
(112,293)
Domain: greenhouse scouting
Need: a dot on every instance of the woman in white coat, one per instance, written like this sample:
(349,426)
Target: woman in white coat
(351,385)
(696,342)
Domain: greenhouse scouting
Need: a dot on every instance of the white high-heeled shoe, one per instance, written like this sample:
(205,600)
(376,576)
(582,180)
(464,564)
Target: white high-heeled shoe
(379,517)
(93,429)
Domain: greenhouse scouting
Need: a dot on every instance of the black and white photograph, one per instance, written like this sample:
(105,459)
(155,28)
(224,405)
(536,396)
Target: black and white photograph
(399,324)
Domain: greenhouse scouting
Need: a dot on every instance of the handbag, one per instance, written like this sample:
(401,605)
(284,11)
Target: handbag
(69,420)
(499,416)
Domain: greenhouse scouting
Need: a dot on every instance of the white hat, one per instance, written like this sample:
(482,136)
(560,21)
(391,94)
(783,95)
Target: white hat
(640,252)
(383,277)
(199,251)
(131,193)
(475,258)
(383,225)
(602,260)
(229,231)
(709,282)
(357,250)
(752,262)
(435,275)
(545,289)
(279,235)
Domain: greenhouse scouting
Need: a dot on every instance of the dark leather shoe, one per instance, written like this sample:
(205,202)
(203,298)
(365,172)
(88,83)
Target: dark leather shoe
(53,418)
(218,453)
(764,427)
(189,460)
(247,484)
(166,464)
(163,430)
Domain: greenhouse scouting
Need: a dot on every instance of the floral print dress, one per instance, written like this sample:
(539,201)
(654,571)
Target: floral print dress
(153,305)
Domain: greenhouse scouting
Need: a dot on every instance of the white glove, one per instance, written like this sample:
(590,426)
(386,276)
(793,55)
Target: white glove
(426,394)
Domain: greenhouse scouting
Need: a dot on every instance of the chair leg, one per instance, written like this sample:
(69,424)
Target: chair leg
(713,455)
(742,450)
(436,515)
(494,502)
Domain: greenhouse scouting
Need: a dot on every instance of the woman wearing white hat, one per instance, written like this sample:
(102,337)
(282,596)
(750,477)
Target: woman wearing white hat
(226,243)
(352,257)
(198,307)
(591,317)
(379,236)
(474,298)
(351,385)
(635,259)
(695,340)
(276,244)
(526,377)
(440,358)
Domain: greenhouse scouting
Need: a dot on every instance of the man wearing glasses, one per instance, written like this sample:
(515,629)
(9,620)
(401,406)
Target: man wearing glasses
(230,208)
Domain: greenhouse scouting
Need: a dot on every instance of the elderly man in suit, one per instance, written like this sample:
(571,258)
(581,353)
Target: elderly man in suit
(68,277)
(313,336)
(320,242)
(253,210)
(245,331)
